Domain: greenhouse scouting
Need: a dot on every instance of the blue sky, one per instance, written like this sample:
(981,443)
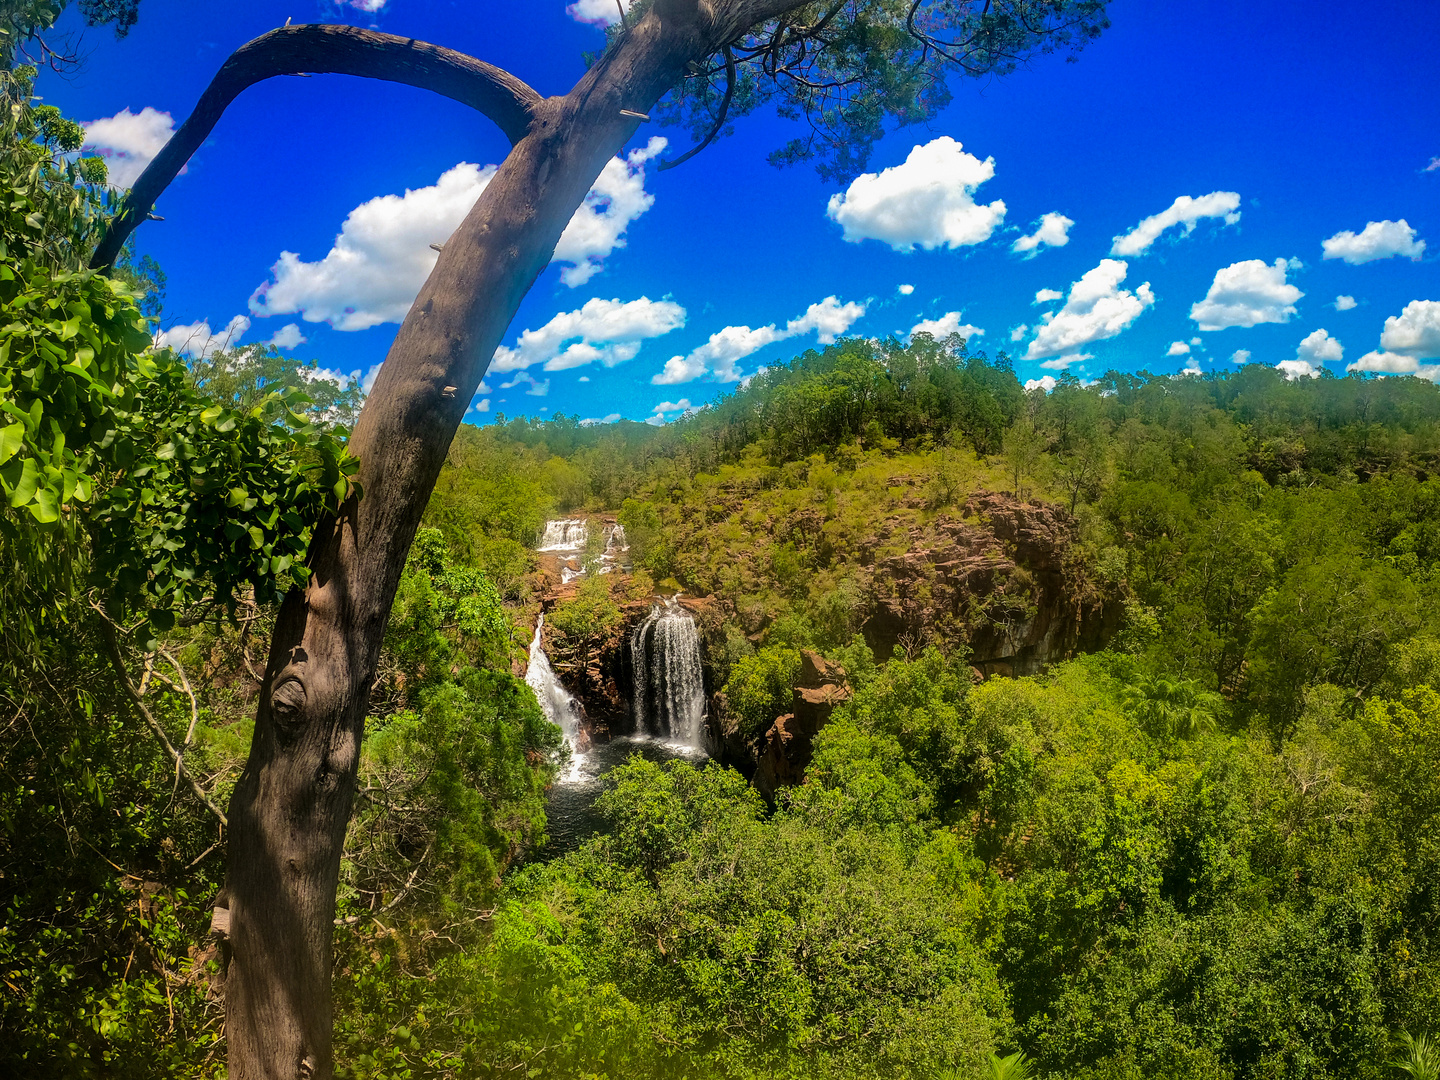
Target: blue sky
(1203,184)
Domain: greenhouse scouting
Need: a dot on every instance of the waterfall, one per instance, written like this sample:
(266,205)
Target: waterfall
(568,538)
(567,534)
(615,541)
(556,702)
(665,664)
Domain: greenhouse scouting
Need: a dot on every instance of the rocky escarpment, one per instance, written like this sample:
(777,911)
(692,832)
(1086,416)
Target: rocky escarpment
(779,756)
(1004,576)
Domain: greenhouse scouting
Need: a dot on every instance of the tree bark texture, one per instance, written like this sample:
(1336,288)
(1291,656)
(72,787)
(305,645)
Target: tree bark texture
(291,806)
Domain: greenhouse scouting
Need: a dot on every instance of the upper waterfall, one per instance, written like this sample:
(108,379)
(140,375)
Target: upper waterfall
(669,685)
(569,539)
(566,534)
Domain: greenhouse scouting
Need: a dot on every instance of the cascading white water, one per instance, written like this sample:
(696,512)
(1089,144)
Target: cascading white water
(567,534)
(557,703)
(665,664)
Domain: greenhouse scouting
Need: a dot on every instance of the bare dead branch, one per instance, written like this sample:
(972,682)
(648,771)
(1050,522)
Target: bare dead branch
(112,645)
(344,50)
(194,705)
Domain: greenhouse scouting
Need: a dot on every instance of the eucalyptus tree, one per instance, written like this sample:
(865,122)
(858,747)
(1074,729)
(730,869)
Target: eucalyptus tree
(845,69)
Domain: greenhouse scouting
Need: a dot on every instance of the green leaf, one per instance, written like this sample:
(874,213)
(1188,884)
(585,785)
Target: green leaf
(22,489)
(162,619)
(11,439)
(45,508)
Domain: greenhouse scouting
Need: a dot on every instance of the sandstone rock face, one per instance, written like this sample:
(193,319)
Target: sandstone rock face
(788,745)
(1005,575)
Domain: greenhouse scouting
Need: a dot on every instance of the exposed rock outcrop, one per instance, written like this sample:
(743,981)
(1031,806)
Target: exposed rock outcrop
(788,745)
(596,668)
(1005,576)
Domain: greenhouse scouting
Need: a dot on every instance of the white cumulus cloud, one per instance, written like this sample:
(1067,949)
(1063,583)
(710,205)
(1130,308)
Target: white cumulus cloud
(928,200)
(129,141)
(1240,356)
(1320,348)
(1344,303)
(1312,353)
(1378,240)
(905,290)
(1045,382)
(383,253)
(1018,333)
(829,319)
(1415,331)
(719,356)
(1298,369)
(1177,348)
(665,408)
(1044,296)
(1246,294)
(288,337)
(198,340)
(598,227)
(943,327)
(1096,309)
(596,12)
(1408,338)
(380,259)
(524,378)
(1053,231)
(1061,363)
(1186,212)
(607,332)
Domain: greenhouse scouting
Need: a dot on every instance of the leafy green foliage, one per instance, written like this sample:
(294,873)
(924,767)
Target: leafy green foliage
(207,499)
(759,686)
(589,614)
(1420,1057)
(184,497)
(848,69)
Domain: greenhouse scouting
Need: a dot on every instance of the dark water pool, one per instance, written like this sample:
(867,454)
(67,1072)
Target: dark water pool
(571,808)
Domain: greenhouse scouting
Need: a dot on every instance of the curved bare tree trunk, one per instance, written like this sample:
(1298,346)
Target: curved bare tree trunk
(289,811)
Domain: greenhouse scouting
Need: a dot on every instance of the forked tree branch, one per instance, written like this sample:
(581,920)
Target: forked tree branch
(719,119)
(323,49)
